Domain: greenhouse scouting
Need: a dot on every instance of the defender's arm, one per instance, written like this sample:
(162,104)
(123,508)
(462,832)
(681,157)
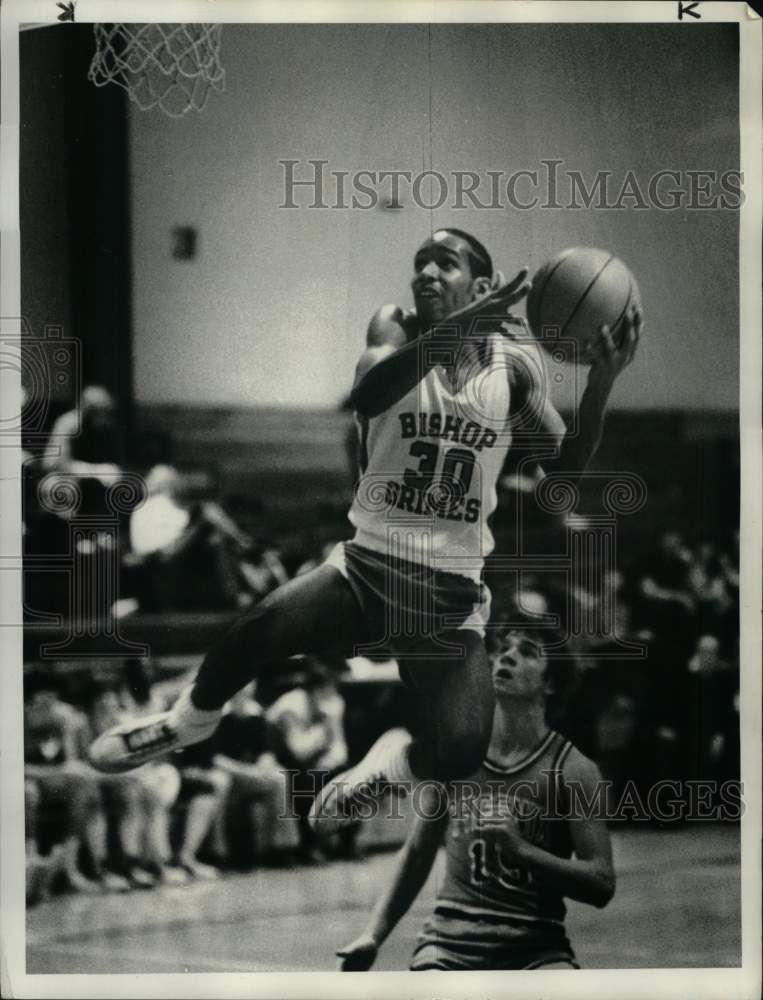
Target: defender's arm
(589,876)
(414,863)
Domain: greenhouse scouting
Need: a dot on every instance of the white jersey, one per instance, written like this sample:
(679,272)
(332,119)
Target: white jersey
(429,467)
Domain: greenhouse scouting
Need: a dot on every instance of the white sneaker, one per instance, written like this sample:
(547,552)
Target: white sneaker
(338,804)
(112,882)
(130,744)
(173,875)
(197,869)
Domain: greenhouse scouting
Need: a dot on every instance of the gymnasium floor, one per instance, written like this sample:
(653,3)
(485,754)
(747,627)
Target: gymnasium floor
(677,904)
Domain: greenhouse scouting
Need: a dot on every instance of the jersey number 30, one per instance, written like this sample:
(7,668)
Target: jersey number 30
(457,469)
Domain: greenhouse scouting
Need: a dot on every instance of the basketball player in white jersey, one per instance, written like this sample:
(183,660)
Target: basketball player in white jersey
(437,411)
(518,838)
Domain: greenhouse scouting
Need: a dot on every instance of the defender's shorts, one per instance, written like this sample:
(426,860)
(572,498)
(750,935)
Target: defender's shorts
(403,602)
(450,941)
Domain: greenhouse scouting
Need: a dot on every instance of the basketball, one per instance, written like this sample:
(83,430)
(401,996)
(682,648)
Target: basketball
(575,293)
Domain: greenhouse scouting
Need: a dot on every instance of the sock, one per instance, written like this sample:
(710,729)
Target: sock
(388,759)
(398,769)
(193,724)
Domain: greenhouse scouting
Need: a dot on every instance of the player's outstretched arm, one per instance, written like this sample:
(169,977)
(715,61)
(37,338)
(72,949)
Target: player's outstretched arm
(412,868)
(589,876)
(607,359)
(385,373)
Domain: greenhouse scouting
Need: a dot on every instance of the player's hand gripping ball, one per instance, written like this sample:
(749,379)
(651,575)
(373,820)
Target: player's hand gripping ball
(608,355)
(577,293)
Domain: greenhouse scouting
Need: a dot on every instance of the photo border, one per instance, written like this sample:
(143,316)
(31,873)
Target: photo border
(653,983)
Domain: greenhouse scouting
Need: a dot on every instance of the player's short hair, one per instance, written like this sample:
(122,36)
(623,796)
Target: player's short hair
(562,663)
(480,262)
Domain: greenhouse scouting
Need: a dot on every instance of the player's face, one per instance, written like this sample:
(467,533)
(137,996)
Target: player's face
(442,279)
(519,668)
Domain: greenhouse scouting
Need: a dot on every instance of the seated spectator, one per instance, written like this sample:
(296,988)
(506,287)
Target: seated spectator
(70,481)
(263,571)
(184,555)
(712,583)
(41,871)
(198,804)
(711,729)
(67,788)
(310,720)
(86,441)
(244,751)
(203,795)
(140,695)
(665,612)
(138,804)
(665,585)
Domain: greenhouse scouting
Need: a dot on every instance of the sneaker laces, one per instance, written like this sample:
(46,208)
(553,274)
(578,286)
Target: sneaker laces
(148,737)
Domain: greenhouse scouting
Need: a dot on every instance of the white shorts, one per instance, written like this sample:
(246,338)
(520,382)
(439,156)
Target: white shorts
(442,601)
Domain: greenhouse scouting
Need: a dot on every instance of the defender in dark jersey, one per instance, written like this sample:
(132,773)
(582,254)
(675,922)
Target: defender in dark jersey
(516,840)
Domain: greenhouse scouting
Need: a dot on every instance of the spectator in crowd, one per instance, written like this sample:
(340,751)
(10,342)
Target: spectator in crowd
(203,796)
(666,612)
(81,460)
(711,725)
(665,585)
(41,871)
(67,788)
(122,794)
(138,804)
(197,805)
(715,585)
(310,720)
(244,750)
(85,441)
(262,571)
(140,695)
(184,556)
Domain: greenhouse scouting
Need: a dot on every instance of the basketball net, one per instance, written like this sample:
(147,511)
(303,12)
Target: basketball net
(171,66)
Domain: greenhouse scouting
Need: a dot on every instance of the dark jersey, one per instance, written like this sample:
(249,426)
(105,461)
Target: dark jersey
(489,913)
(478,879)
